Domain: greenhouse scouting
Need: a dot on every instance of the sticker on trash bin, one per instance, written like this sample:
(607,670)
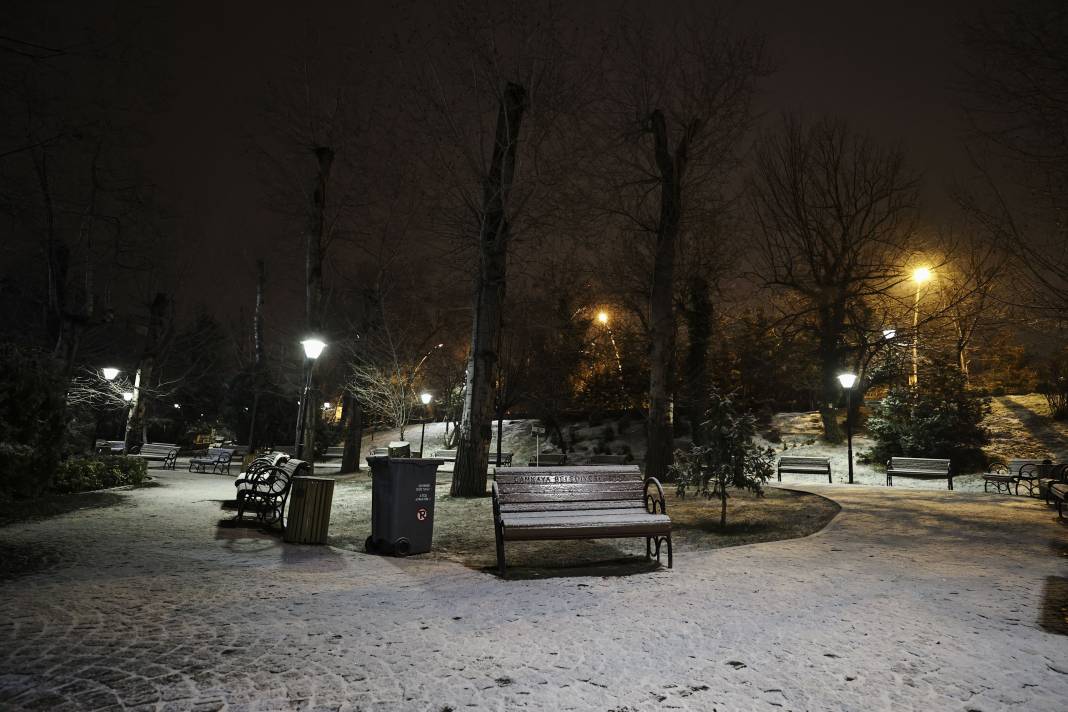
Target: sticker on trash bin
(421,514)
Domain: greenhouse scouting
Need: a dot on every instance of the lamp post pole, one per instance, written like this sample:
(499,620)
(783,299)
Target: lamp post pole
(920,276)
(848,380)
(312,348)
(426,398)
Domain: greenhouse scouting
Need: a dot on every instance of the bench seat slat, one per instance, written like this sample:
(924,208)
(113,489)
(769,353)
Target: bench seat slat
(572,515)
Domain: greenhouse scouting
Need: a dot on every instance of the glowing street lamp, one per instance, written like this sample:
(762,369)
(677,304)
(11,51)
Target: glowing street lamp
(109,373)
(425,398)
(602,316)
(313,348)
(127,396)
(921,275)
(848,380)
(889,334)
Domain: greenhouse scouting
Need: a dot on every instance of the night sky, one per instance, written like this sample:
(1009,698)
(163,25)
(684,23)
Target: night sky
(888,68)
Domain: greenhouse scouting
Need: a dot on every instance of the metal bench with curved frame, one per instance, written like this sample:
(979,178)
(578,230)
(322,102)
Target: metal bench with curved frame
(267,492)
(167,453)
(217,458)
(585,502)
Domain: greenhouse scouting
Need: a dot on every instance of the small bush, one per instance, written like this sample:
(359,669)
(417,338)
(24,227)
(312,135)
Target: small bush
(942,418)
(729,458)
(84,474)
(33,420)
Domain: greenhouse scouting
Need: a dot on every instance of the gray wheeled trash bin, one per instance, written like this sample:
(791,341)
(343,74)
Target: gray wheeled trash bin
(402,505)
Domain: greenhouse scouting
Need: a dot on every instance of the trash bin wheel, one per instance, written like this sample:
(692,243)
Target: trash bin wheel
(402,547)
(369,545)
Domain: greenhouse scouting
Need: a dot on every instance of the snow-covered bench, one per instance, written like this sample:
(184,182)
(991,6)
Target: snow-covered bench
(796,465)
(536,504)
(921,468)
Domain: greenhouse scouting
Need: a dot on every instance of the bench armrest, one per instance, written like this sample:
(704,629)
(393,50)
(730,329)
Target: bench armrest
(999,468)
(496,504)
(657,500)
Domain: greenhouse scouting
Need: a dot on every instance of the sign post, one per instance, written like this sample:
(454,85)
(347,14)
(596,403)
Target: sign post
(537,431)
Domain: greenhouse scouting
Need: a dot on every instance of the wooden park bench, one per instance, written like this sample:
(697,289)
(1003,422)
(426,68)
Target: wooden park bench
(265,490)
(446,455)
(921,468)
(335,452)
(167,453)
(796,465)
(549,459)
(217,458)
(534,504)
(607,459)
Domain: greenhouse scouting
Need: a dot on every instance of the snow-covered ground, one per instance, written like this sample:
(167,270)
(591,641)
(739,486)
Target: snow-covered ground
(909,600)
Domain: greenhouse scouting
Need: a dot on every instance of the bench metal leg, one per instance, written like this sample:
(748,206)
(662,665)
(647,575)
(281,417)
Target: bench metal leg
(660,540)
(951,483)
(500,549)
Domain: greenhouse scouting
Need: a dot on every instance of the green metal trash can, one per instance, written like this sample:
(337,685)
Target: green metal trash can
(402,505)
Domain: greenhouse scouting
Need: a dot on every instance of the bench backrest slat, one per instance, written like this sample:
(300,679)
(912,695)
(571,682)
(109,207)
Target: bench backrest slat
(548,487)
(919,463)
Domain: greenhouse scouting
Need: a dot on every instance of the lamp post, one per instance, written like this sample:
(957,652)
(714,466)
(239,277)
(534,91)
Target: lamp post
(313,347)
(602,318)
(921,275)
(848,380)
(426,398)
(109,373)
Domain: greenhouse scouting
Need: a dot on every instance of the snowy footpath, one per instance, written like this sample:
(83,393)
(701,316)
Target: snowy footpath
(909,600)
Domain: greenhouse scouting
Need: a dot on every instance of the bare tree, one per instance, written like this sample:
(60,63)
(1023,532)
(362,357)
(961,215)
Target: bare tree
(488,98)
(835,214)
(1016,98)
(678,101)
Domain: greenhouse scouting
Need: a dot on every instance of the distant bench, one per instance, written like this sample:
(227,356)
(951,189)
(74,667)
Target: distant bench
(217,458)
(608,459)
(535,504)
(110,447)
(450,456)
(920,468)
(792,465)
(167,453)
(549,459)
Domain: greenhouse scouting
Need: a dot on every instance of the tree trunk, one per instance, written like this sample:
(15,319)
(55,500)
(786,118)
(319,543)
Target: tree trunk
(830,388)
(472,455)
(257,352)
(145,372)
(313,269)
(660,431)
(350,459)
(723,507)
(699,325)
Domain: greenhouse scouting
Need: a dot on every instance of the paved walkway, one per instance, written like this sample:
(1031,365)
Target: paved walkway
(921,600)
